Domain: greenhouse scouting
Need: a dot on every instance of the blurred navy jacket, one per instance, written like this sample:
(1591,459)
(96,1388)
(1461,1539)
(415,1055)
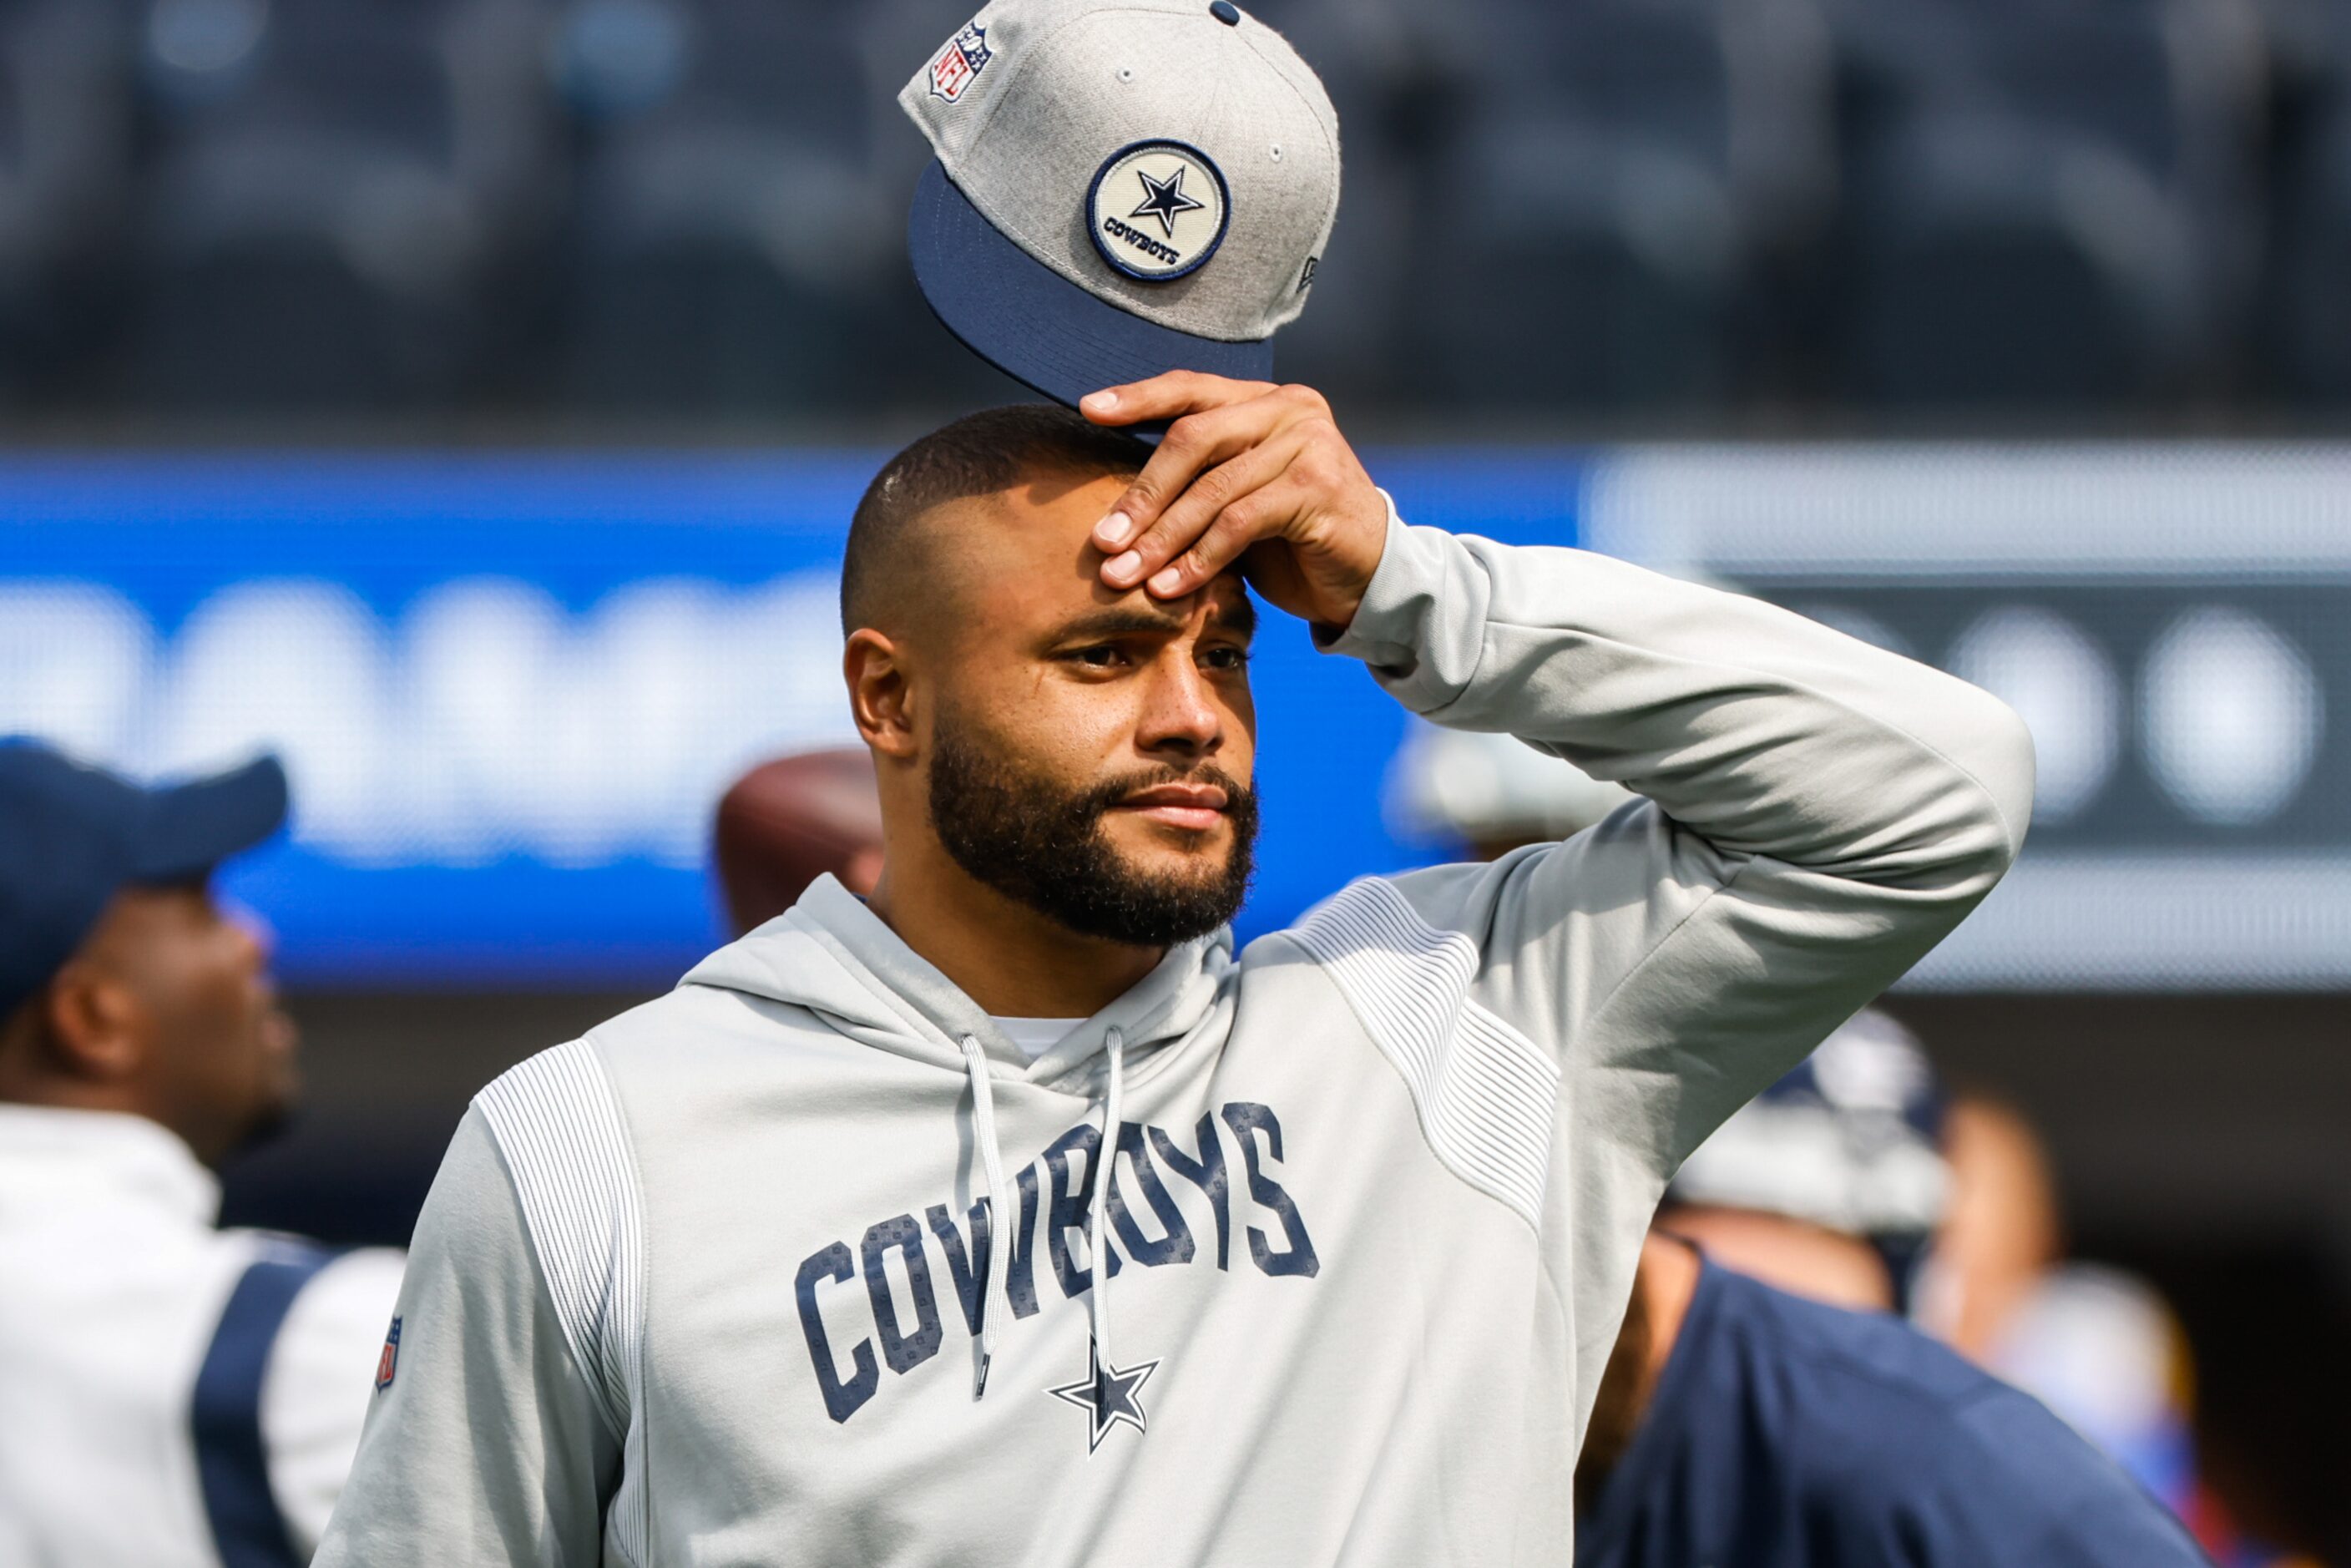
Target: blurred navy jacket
(1786,1434)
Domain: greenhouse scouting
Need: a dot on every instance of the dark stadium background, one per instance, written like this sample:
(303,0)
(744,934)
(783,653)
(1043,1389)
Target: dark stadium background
(369,297)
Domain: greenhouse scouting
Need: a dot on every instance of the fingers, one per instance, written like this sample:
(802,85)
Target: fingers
(1226,474)
(1260,514)
(1222,500)
(1170,395)
(1195,442)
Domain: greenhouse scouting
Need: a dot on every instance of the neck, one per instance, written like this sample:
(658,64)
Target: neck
(1012,960)
(49,1092)
(1663,1284)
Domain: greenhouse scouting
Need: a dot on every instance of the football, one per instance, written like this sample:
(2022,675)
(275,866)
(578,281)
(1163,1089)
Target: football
(790,820)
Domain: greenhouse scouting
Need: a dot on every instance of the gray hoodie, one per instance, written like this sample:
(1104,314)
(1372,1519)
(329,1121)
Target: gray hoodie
(724,1282)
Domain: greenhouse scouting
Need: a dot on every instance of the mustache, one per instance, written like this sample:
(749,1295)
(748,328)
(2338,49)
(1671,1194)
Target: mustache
(1240,800)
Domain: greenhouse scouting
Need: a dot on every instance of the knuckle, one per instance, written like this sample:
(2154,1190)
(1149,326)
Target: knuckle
(1214,487)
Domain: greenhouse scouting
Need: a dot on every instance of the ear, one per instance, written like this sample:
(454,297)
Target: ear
(880,694)
(97,1029)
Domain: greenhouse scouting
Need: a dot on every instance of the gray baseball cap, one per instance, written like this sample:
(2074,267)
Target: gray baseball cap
(1122,187)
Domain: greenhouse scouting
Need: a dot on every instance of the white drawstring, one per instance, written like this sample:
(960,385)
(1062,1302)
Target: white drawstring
(1002,1222)
(1105,1156)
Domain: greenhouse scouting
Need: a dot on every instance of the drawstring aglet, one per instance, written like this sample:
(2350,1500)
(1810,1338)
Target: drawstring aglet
(998,1210)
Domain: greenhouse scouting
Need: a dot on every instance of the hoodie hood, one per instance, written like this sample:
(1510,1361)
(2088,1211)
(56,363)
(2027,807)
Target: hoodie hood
(833,956)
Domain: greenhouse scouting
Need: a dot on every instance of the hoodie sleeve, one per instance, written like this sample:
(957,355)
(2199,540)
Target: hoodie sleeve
(316,1393)
(1819,813)
(488,1444)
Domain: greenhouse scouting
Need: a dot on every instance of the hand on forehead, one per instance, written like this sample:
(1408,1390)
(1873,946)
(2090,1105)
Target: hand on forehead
(1031,552)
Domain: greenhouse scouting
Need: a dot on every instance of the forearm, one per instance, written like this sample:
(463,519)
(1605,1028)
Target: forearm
(1768,734)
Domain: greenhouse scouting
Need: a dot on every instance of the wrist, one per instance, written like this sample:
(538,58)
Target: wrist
(1364,577)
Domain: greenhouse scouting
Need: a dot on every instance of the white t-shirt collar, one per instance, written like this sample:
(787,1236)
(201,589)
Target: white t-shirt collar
(1035,1037)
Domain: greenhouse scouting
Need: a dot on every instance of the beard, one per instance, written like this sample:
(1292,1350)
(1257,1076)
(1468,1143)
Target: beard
(265,1123)
(1045,846)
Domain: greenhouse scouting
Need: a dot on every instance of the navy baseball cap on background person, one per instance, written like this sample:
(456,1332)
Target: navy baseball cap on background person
(72,836)
(1121,188)
(1850,1140)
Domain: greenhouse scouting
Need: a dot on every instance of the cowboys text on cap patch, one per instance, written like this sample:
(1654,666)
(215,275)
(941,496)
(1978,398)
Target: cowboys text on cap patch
(955,67)
(1157,209)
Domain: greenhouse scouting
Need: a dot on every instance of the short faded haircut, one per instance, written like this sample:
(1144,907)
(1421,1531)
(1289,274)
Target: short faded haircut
(977,455)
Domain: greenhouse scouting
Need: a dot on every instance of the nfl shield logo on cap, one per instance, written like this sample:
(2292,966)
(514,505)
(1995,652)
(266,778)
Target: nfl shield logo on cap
(959,63)
(1120,189)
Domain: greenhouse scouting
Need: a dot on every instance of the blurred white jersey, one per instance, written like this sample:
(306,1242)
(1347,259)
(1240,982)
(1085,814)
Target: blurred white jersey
(174,1393)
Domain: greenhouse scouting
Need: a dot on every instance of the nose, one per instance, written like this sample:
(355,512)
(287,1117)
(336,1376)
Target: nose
(1180,714)
(250,923)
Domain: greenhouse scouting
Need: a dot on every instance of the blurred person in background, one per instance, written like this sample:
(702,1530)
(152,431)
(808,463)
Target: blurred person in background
(1766,1406)
(2097,1344)
(1762,1406)
(175,1394)
(1830,1183)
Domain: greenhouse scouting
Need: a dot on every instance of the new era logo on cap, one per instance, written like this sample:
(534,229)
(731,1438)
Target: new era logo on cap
(1120,188)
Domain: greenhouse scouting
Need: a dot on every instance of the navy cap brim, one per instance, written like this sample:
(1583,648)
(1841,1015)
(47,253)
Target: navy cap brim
(1037,326)
(191,828)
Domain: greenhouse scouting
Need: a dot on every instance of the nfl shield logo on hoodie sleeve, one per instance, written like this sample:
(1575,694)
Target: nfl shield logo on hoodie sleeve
(388,1361)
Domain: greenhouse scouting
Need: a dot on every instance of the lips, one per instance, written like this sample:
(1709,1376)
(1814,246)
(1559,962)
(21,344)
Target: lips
(1189,808)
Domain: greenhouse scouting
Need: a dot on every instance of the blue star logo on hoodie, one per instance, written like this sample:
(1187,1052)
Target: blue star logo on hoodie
(1108,1395)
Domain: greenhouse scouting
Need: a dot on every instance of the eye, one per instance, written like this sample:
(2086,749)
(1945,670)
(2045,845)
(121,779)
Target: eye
(1225,657)
(1101,656)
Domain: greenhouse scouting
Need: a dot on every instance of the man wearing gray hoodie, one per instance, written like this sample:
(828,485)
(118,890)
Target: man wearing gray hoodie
(814,1259)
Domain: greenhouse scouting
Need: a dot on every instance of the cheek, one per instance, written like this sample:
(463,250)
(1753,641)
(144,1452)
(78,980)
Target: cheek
(1048,722)
(1239,754)
(219,995)
(203,1022)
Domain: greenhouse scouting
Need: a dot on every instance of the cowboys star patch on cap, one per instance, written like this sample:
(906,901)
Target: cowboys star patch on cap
(1157,210)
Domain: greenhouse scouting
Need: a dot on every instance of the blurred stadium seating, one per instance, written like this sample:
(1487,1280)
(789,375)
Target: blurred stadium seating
(2044,203)
(2307,319)
(1709,208)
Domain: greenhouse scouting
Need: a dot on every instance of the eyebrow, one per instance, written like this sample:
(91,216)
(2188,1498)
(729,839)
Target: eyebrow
(1237,615)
